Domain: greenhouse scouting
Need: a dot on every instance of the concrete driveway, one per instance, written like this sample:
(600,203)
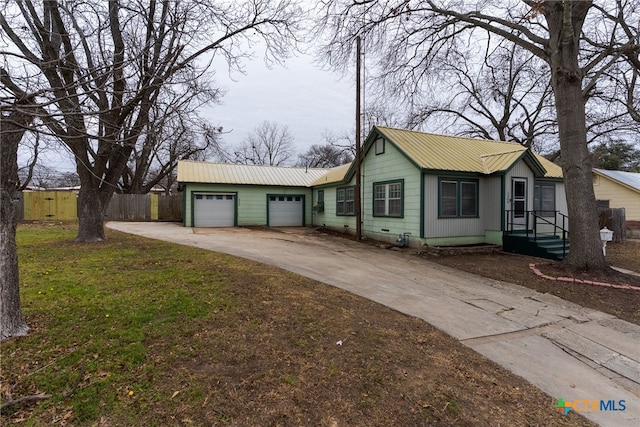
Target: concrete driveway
(566,350)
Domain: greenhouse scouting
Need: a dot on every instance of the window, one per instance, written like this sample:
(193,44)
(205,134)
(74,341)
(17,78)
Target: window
(388,199)
(345,201)
(468,199)
(448,198)
(544,199)
(458,198)
(379,146)
(319,206)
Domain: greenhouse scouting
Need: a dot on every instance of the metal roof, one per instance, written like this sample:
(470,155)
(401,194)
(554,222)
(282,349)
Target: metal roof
(225,173)
(553,170)
(333,175)
(427,151)
(629,179)
(459,154)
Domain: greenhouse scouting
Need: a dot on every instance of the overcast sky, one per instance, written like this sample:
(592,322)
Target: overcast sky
(299,95)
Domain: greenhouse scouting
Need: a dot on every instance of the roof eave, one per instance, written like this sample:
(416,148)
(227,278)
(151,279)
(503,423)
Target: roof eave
(617,181)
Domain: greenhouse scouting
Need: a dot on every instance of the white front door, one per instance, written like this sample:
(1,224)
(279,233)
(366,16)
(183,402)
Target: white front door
(519,203)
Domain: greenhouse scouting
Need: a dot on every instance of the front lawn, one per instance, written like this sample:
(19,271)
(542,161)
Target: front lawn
(139,332)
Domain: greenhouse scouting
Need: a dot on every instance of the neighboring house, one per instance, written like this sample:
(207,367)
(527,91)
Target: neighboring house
(430,189)
(617,189)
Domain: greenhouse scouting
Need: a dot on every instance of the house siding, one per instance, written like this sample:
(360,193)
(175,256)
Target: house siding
(392,165)
(251,201)
(452,231)
(618,196)
(328,217)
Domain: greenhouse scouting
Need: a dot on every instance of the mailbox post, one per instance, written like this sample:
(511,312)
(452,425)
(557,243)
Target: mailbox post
(606,235)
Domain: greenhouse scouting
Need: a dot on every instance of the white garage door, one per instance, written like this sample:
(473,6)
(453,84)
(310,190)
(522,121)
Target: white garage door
(285,211)
(214,210)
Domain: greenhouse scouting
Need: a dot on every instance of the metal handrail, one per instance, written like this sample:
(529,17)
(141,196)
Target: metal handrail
(538,217)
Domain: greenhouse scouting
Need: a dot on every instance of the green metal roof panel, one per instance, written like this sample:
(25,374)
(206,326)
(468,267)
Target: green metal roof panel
(225,173)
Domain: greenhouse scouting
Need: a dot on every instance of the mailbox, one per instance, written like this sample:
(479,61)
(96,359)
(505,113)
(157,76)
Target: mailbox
(606,235)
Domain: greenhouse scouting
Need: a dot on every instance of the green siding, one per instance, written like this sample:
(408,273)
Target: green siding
(251,201)
(455,240)
(393,165)
(328,218)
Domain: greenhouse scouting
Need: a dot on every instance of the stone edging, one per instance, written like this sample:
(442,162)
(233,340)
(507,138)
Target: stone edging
(574,280)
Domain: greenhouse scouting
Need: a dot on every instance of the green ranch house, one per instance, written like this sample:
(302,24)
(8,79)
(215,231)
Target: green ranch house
(417,188)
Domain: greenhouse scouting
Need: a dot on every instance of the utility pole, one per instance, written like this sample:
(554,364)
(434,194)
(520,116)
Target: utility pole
(357,159)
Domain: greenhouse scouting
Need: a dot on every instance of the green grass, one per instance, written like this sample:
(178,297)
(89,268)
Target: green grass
(134,331)
(94,307)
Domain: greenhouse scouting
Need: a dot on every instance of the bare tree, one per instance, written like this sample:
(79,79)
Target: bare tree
(15,119)
(170,137)
(324,156)
(268,144)
(579,41)
(504,96)
(101,67)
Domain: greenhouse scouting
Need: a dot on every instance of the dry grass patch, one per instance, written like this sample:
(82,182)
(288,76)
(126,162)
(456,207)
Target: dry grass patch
(198,338)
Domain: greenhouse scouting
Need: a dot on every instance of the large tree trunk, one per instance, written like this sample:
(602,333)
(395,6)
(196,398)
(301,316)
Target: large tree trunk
(565,21)
(90,215)
(586,248)
(12,323)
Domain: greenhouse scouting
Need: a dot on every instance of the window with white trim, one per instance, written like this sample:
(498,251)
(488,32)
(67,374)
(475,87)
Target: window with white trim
(388,199)
(345,201)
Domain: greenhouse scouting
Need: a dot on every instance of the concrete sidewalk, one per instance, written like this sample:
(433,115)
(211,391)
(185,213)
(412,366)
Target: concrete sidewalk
(566,350)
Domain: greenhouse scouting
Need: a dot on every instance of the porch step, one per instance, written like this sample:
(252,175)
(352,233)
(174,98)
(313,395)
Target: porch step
(549,246)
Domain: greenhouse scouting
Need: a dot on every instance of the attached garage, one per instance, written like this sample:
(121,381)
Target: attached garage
(285,210)
(214,210)
(232,195)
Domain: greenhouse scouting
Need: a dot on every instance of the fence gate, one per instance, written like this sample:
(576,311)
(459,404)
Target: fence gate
(49,206)
(63,206)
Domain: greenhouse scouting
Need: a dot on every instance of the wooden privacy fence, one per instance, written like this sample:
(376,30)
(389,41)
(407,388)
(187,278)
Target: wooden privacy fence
(614,219)
(132,207)
(62,206)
